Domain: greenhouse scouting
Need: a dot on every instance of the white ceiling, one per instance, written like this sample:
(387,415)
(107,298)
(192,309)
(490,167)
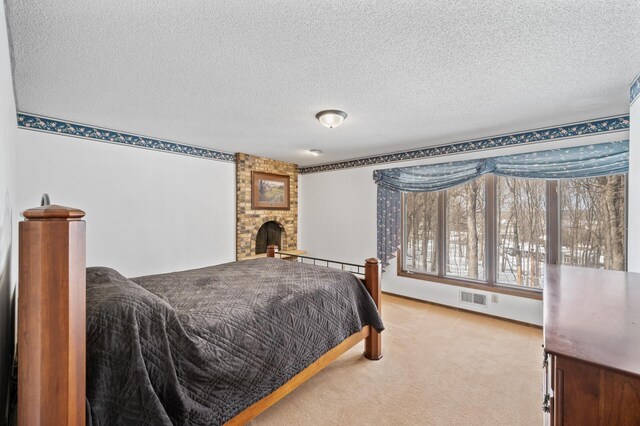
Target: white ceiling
(249,76)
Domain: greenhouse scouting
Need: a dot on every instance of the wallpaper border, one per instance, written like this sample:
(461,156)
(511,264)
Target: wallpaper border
(585,128)
(68,128)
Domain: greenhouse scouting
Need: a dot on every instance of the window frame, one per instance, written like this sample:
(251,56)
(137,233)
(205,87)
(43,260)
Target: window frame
(553,217)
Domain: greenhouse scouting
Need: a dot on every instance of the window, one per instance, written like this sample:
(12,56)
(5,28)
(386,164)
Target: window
(593,222)
(422,231)
(521,226)
(465,230)
(500,232)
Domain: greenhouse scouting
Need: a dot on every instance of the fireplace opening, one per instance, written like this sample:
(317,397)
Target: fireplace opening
(268,234)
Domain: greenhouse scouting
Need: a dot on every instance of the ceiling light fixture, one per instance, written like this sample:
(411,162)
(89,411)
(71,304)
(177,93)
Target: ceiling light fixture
(315,152)
(331,118)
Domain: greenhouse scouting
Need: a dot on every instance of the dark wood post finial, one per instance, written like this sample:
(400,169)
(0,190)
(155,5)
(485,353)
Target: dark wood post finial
(52,317)
(272,250)
(373,282)
(53,212)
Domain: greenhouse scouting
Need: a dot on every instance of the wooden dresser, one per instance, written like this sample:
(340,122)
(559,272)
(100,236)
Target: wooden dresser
(592,347)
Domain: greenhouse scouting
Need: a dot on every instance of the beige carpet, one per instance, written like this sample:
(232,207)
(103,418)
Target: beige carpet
(440,367)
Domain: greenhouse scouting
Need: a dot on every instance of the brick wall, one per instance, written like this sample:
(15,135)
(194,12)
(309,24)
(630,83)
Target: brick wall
(248,221)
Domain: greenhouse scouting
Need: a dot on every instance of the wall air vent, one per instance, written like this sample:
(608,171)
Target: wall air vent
(473,298)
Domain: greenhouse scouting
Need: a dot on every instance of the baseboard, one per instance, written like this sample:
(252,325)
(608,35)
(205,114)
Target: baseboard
(401,296)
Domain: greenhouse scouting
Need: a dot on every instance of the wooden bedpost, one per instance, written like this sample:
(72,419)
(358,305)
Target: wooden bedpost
(52,317)
(373,282)
(272,250)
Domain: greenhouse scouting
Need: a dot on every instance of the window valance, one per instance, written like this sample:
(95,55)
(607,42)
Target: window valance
(566,163)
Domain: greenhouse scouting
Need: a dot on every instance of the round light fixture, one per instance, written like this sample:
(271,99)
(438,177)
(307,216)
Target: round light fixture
(331,118)
(315,152)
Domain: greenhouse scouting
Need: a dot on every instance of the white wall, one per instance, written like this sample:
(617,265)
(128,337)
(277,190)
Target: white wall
(634,188)
(8,131)
(146,211)
(338,221)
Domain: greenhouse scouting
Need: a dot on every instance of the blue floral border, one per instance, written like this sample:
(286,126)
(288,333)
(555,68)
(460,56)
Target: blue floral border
(603,125)
(51,125)
(634,89)
(612,124)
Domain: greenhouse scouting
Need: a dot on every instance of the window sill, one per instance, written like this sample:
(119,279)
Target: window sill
(511,291)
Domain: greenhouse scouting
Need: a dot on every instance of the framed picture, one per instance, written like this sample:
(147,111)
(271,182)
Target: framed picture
(269,191)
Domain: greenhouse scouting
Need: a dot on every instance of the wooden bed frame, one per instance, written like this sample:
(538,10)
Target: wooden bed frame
(52,322)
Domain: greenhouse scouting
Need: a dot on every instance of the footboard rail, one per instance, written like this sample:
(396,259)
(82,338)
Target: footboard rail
(272,251)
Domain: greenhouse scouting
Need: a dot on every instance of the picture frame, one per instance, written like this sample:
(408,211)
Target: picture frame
(269,191)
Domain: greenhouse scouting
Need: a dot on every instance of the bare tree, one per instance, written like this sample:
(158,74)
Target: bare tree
(614,200)
(421,213)
(521,231)
(465,229)
(471,190)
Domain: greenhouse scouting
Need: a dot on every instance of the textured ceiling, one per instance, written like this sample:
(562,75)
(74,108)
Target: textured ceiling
(249,76)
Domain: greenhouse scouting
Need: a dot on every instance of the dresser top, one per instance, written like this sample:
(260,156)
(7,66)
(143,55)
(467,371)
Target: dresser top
(594,316)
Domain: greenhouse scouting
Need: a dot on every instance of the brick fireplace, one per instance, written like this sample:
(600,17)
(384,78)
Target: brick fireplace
(249,221)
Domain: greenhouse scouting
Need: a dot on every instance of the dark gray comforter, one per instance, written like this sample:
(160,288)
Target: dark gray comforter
(197,347)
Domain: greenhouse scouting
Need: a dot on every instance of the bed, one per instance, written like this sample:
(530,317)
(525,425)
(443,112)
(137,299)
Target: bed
(215,345)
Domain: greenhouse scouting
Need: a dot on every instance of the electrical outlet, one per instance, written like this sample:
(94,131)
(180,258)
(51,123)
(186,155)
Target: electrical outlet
(494,298)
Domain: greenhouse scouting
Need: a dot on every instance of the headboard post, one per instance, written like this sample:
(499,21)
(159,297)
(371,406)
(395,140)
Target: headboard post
(52,317)
(373,282)
(272,250)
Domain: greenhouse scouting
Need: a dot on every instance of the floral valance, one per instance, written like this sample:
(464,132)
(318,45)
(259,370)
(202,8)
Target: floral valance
(566,163)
